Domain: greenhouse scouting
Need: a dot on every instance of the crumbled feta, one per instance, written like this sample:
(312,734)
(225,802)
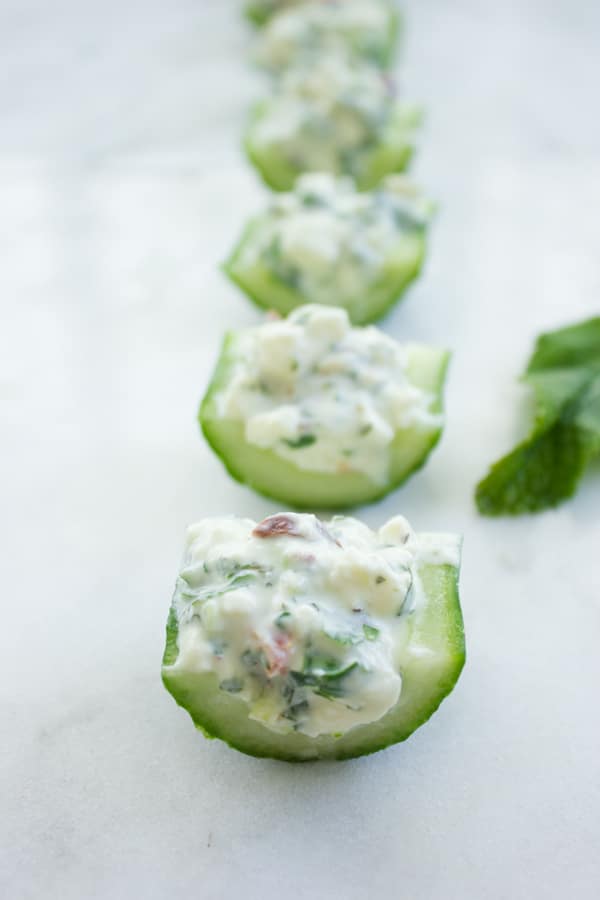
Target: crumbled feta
(323,395)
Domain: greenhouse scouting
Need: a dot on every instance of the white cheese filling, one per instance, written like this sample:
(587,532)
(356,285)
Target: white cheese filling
(331,242)
(324,115)
(361,27)
(306,622)
(324,395)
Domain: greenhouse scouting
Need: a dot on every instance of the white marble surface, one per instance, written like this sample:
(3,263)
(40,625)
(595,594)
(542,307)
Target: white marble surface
(122,186)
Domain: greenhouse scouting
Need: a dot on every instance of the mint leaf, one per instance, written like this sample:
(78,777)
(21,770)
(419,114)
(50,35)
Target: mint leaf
(575,345)
(564,374)
(538,474)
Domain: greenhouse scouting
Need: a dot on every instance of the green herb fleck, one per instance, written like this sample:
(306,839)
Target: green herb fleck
(324,676)
(281,620)
(232,685)
(312,200)
(346,638)
(544,470)
(202,593)
(370,632)
(365,429)
(304,440)
(296,709)
(379,579)
(255,661)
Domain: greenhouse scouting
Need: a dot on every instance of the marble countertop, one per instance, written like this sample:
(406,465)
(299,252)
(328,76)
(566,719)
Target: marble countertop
(123,187)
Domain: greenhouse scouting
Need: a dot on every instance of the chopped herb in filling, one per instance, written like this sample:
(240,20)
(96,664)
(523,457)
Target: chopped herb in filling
(294,617)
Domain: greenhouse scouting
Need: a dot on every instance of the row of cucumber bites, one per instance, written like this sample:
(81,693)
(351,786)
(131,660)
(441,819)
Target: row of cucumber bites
(332,108)
(294,638)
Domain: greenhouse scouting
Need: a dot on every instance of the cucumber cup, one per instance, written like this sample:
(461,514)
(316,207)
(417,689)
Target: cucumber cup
(319,415)
(300,640)
(327,243)
(363,29)
(334,116)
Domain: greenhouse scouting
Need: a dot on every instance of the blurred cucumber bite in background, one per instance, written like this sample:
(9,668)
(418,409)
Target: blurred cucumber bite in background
(335,115)
(320,415)
(327,243)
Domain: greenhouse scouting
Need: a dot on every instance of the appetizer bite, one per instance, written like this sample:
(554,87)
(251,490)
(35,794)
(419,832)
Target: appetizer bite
(321,415)
(365,29)
(336,115)
(300,640)
(327,243)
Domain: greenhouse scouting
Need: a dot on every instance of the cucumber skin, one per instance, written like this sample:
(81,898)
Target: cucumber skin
(390,288)
(392,154)
(254,15)
(326,748)
(314,490)
(303,501)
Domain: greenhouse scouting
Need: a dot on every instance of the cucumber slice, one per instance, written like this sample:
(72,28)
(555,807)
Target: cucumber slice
(277,476)
(389,224)
(432,658)
(402,267)
(280,163)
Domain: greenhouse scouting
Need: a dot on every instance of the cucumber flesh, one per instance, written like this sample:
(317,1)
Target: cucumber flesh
(276,477)
(432,660)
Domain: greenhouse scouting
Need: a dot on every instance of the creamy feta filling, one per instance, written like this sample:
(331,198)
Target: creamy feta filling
(330,242)
(304,621)
(323,395)
(360,27)
(324,116)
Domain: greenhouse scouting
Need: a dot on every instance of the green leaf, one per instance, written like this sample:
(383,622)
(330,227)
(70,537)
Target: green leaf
(538,474)
(553,389)
(232,685)
(575,345)
(564,374)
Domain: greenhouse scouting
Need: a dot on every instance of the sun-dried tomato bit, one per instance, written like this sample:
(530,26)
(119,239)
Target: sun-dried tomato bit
(273,526)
